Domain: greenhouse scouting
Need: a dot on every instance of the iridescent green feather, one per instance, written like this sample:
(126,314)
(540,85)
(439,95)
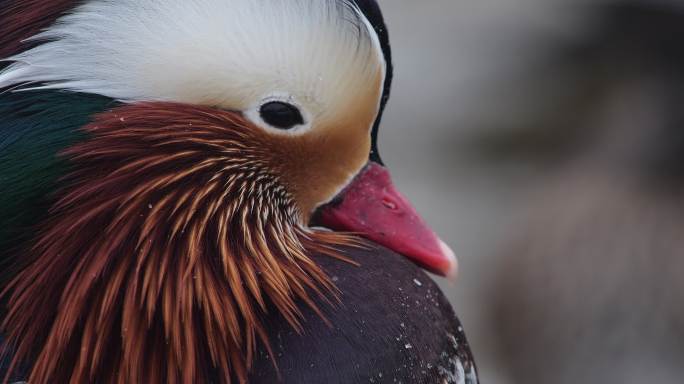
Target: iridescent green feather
(34,127)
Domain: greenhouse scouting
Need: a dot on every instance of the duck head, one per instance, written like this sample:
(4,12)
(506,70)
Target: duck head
(234,127)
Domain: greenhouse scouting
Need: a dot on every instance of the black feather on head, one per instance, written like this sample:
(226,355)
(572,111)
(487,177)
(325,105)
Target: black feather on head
(371,10)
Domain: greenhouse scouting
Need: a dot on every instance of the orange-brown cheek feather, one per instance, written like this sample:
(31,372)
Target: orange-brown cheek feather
(321,162)
(318,166)
(162,251)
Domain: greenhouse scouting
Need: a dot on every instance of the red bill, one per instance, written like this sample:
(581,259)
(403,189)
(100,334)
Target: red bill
(372,207)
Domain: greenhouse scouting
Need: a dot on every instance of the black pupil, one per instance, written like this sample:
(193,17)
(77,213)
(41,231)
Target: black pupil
(281,115)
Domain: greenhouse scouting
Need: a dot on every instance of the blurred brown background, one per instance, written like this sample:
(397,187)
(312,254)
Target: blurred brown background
(544,139)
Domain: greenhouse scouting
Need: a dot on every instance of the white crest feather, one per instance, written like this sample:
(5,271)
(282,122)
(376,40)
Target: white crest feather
(228,53)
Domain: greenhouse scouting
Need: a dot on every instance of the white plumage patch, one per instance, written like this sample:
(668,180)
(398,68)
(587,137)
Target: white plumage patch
(228,53)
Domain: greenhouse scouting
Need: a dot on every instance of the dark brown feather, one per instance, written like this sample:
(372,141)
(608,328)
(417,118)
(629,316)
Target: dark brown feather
(21,19)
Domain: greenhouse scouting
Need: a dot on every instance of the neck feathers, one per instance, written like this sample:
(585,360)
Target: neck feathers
(161,254)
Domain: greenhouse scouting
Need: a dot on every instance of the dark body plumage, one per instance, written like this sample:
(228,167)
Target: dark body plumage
(394,325)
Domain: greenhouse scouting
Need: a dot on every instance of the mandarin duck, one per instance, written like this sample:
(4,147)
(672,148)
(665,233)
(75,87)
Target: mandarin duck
(191,192)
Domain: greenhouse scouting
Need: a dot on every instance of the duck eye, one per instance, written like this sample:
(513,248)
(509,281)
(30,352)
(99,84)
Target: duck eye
(281,115)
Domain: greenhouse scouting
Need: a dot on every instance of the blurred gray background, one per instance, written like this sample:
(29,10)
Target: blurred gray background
(543,140)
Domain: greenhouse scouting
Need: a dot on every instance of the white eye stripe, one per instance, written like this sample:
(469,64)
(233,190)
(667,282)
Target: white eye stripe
(210,52)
